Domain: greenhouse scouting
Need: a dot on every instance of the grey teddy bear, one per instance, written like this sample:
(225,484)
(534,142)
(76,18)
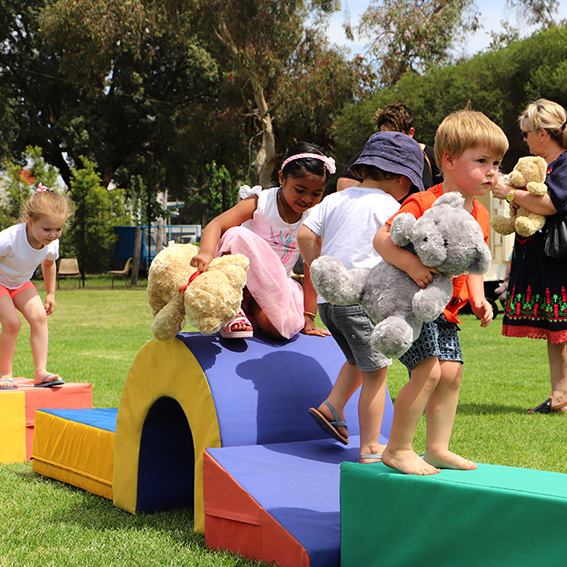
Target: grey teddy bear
(445,237)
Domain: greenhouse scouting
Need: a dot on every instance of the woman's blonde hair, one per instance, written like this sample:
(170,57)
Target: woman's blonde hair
(47,202)
(468,129)
(546,115)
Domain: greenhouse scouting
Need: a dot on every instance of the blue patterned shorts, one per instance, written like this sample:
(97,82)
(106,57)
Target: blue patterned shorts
(439,339)
(351,327)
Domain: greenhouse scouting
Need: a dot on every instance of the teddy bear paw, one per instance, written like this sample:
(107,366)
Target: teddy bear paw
(392,337)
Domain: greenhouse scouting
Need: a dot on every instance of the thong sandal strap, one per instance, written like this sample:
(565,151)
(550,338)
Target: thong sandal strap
(338,422)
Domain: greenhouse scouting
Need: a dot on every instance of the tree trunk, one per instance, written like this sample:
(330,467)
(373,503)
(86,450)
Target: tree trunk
(266,156)
(136,261)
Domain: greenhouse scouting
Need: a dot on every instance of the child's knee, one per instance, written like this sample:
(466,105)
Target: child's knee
(11,325)
(37,318)
(452,374)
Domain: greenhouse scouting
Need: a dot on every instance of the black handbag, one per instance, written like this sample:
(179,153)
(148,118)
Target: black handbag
(555,245)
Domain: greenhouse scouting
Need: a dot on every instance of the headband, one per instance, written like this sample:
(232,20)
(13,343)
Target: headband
(328,161)
(41,187)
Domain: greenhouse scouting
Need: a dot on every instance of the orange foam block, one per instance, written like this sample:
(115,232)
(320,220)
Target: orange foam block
(70,396)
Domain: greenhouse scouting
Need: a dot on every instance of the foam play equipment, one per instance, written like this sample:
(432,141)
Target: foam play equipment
(200,391)
(196,392)
(493,516)
(13,412)
(72,395)
(76,447)
(277,502)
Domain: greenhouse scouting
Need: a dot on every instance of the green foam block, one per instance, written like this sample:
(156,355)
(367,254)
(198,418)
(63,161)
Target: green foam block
(492,516)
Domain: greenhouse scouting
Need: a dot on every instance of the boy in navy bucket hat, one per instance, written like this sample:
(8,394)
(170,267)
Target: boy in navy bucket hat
(392,153)
(390,167)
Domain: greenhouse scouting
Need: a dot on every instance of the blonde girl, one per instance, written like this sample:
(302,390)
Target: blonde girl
(23,246)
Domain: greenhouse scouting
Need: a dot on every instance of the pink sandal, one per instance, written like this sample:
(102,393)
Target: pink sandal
(227,332)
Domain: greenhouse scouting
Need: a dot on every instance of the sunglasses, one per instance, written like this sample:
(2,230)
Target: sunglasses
(525,133)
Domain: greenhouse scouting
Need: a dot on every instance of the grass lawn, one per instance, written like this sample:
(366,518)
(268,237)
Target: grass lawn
(95,334)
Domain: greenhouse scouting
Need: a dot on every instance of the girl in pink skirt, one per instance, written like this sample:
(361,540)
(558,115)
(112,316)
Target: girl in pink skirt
(263,227)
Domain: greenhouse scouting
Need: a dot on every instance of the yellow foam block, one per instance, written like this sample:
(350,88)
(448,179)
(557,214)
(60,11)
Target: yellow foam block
(13,423)
(55,453)
(169,360)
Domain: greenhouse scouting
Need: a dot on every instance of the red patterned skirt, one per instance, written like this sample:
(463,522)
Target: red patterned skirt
(536,304)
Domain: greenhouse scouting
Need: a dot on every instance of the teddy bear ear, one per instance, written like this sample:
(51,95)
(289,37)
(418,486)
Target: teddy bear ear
(452,199)
(401,229)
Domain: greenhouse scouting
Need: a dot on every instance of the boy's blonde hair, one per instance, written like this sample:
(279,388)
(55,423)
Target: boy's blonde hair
(547,115)
(47,202)
(468,129)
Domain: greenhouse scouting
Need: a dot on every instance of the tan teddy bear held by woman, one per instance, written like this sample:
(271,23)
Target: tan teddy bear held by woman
(529,174)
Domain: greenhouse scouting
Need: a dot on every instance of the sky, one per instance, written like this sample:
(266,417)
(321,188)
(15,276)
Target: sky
(493,12)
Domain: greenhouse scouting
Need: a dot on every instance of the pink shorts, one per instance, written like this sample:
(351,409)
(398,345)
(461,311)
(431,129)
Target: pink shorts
(12,292)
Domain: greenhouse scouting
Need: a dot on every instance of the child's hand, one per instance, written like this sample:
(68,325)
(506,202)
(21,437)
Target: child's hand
(501,189)
(49,303)
(201,261)
(420,274)
(483,310)
(311,329)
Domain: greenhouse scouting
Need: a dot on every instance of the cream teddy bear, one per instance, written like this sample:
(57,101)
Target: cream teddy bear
(529,173)
(176,290)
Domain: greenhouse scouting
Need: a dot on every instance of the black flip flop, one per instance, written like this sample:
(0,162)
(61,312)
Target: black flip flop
(545,407)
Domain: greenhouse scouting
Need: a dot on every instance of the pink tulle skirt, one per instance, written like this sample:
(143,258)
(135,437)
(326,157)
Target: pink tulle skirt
(279,296)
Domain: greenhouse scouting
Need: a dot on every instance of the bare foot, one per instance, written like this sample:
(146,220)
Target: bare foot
(559,408)
(408,462)
(449,460)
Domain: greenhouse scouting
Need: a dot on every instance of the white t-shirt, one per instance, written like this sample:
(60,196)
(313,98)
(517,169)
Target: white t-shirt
(268,224)
(18,260)
(347,222)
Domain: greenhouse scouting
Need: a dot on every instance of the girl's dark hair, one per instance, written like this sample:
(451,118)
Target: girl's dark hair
(300,166)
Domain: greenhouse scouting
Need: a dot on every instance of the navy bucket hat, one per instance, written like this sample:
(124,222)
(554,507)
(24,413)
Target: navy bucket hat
(394,152)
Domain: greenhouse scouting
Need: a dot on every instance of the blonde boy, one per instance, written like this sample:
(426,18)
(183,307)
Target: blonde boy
(468,148)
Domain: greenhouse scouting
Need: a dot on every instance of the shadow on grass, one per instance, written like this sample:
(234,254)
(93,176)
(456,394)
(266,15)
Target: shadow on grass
(489,409)
(90,511)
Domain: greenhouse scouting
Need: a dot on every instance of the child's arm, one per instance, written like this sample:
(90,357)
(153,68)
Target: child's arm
(401,258)
(49,271)
(235,216)
(480,307)
(310,249)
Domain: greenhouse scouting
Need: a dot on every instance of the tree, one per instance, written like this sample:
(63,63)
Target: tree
(267,52)
(122,83)
(499,83)
(535,11)
(155,90)
(414,36)
(220,195)
(91,235)
(21,180)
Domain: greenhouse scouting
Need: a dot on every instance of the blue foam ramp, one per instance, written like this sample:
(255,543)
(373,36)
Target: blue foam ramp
(294,485)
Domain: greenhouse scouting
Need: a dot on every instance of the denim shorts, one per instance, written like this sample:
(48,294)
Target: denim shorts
(439,339)
(351,327)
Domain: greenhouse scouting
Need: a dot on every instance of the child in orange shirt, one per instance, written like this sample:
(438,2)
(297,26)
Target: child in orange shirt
(469,148)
